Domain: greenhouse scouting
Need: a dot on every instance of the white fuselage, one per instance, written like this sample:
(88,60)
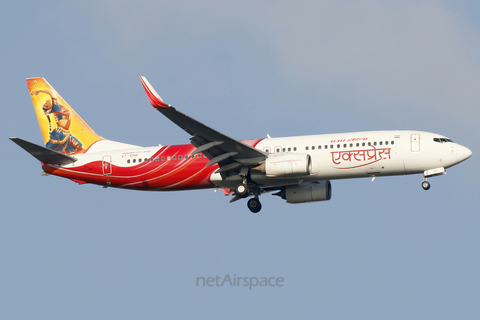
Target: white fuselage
(333,156)
(363,154)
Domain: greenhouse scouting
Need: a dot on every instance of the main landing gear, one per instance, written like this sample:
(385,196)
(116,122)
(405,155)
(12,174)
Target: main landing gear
(242,191)
(254,205)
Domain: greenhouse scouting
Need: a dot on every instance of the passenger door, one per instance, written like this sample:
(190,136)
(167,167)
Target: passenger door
(415,143)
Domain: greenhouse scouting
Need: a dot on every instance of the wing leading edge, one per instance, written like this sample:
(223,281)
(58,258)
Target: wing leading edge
(227,152)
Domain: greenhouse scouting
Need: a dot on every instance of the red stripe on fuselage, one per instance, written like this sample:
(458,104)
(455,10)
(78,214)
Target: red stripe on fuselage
(184,174)
(162,175)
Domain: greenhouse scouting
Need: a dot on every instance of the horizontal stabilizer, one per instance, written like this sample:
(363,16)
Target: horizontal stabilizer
(43,154)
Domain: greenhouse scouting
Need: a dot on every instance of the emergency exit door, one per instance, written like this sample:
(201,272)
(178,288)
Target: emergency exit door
(107,165)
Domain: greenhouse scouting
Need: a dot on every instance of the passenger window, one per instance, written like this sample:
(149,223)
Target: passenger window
(306,148)
(313,147)
(168,158)
(363,144)
(134,160)
(358,144)
(319,147)
(289,149)
(294,148)
(375,143)
(369,144)
(326,147)
(345,145)
(283,149)
(163,158)
(351,145)
(331,146)
(381,143)
(179,157)
(386,143)
(338,146)
(392,142)
(128,161)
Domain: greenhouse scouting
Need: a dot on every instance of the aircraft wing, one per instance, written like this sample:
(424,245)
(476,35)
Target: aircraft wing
(219,148)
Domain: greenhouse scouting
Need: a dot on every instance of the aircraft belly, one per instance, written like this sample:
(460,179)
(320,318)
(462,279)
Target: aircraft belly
(263,180)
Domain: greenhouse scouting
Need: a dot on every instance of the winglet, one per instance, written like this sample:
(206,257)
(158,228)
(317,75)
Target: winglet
(154,98)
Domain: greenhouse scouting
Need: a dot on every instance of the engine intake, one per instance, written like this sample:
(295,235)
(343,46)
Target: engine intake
(287,164)
(307,192)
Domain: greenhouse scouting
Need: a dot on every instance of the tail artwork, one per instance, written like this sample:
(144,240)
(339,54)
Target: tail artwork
(63,130)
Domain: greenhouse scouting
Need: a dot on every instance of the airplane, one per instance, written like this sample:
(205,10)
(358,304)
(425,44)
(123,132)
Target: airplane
(298,169)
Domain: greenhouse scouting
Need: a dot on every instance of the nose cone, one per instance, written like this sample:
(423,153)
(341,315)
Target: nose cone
(463,153)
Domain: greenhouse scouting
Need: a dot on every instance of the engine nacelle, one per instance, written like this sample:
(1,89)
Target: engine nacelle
(307,192)
(287,164)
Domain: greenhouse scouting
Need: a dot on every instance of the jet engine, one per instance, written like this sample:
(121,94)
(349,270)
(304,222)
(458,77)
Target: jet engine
(287,164)
(307,192)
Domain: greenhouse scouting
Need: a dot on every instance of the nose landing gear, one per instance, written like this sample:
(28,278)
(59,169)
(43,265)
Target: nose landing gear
(431,173)
(425,185)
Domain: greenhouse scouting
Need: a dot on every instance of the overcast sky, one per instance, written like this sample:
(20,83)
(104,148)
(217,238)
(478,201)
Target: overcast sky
(378,250)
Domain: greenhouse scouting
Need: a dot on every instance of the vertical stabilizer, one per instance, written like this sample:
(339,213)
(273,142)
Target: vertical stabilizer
(63,130)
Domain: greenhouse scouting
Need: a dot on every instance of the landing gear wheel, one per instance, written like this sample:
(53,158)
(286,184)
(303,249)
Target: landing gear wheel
(254,205)
(242,190)
(425,185)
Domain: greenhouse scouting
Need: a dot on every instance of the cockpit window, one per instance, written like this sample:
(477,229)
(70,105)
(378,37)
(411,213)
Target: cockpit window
(442,140)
